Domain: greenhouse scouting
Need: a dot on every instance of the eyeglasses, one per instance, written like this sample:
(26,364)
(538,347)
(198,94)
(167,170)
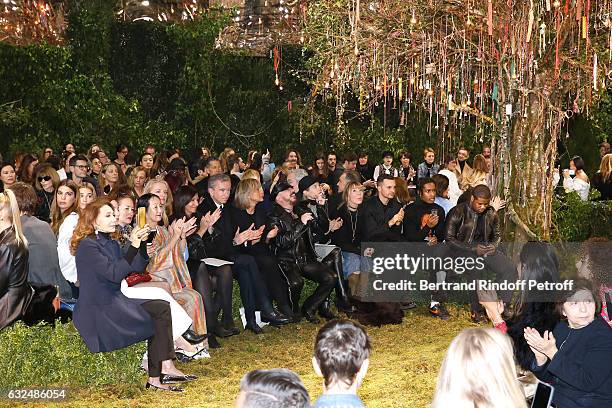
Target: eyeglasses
(82,167)
(44,178)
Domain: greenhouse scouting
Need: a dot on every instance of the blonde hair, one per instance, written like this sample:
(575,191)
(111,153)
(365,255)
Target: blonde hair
(169,199)
(46,170)
(7,198)
(135,172)
(251,174)
(605,168)
(479,371)
(245,188)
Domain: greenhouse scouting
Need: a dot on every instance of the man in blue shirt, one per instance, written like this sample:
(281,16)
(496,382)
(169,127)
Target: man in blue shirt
(341,357)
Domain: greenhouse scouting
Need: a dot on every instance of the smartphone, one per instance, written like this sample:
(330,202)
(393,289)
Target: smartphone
(434,211)
(142,217)
(543,395)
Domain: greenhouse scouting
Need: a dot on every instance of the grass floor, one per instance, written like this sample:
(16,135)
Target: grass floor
(403,368)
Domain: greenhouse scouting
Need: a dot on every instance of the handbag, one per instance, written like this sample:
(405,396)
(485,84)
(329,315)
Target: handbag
(135,278)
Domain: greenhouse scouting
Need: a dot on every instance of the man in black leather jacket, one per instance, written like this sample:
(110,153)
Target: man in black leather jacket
(313,201)
(294,248)
(472,229)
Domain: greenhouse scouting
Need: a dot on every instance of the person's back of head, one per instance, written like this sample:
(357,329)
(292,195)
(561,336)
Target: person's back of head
(341,354)
(275,388)
(479,371)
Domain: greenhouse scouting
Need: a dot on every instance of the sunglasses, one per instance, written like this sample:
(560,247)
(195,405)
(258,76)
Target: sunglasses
(44,178)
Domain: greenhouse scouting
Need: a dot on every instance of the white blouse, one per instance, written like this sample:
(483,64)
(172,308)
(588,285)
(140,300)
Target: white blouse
(578,185)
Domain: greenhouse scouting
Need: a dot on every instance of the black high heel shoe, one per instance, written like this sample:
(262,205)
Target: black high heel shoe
(169,389)
(171,379)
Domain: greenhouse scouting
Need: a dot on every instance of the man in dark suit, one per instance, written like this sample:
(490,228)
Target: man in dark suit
(383,214)
(224,237)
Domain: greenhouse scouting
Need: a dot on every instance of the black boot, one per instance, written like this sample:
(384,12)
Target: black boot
(334,261)
(325,310)
(343,302)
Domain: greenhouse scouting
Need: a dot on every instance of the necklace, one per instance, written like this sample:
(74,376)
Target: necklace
(353,224)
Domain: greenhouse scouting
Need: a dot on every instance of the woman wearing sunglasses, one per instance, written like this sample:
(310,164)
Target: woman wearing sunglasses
(46,182)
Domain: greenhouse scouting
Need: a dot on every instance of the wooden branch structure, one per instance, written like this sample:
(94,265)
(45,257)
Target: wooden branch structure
(517,70)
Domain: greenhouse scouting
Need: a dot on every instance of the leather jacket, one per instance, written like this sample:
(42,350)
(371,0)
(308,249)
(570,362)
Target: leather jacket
(15,291)
(294,241)
(461,226)
(319,226)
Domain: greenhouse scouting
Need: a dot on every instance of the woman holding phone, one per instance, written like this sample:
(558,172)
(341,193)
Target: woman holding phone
(104,317)
(167,261)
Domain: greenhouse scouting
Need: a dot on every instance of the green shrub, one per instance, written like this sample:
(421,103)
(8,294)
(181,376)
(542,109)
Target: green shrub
(575,220)
(42,356)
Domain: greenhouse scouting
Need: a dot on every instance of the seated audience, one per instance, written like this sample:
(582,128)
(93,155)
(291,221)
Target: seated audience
(248,213)
(386,167)
(137,180)
(472,229)
(206,278)
(424,222)
(348,236)
(462,169)
(342,357)
(312,199)
(294,248)
(43,263)
(47,181)
(25,172)
(275,388)
(594,264)
(454,192)
(8,176)
(106,319)
(382,213)
(476,176)
(442,193)
(110,178)
(64,217)
(531,308)
(18,299)
(576,357)
(427,168)
(478,371)
(167,262)
(407,172)
(602,181)
(225,238)
(575,179)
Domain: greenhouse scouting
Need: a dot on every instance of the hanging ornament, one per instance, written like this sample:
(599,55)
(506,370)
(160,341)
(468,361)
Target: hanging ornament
(276,65)
(595,71)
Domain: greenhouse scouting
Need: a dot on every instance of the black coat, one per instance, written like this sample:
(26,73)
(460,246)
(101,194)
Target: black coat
(581,370)
(319,226)
(376,217)
(461,225)
(293,242)
(243,220)
(412,222)
(106,319)
(348,236)
(15,292)
(219,244)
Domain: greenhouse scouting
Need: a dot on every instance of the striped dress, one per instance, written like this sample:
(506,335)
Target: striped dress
(168,264)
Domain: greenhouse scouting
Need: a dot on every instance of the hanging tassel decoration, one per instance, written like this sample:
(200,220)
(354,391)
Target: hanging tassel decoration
(276,65)
(490,16)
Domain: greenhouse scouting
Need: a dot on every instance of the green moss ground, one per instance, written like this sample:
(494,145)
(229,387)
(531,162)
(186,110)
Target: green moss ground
(403,369)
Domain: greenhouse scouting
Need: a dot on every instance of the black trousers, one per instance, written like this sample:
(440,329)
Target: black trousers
(315,271)
(206,280)
(160,346)
(275,281)
(253,291)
